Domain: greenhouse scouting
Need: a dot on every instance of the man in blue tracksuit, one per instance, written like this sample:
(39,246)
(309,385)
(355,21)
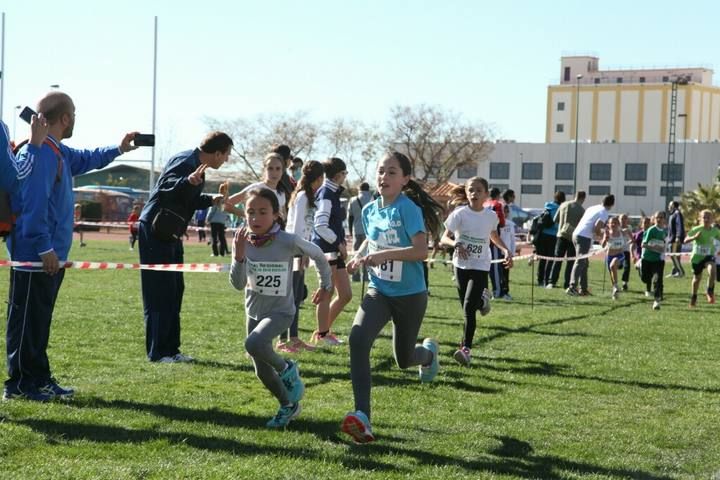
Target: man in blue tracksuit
(43,233)
(12,171)
(178,190)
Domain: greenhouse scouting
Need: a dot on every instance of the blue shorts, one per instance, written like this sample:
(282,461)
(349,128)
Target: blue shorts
(619,256)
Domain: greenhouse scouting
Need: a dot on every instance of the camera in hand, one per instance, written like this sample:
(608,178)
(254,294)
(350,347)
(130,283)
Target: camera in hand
(144,140)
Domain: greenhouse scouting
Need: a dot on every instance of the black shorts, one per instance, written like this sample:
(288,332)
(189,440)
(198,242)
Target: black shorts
(698,267)
(338,262)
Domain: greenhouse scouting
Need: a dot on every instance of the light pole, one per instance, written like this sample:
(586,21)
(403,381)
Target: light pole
(685,139)
(577,122)
(15,115)
(55,86)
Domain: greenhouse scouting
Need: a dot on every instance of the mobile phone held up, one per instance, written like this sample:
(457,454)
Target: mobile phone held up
(27,114)
(144,140)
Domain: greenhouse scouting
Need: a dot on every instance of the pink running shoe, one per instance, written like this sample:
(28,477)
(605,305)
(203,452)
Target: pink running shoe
(285,347)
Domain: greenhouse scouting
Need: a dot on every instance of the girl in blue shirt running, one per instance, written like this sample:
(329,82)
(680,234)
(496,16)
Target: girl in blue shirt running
(396,243)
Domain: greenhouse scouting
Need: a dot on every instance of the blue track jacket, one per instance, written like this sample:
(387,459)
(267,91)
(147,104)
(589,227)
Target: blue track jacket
(46,202)
(12,171)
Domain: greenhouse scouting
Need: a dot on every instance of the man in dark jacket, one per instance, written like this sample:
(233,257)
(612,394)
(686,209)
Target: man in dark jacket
(177,194)
(676,237)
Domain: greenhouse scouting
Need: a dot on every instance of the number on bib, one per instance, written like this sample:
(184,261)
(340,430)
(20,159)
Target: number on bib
(390,271)
(268,278)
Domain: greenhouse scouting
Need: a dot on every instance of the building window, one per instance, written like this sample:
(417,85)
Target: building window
(500,186)
(566,74)
(568,190)
(531,189)
(599,190)
(676,172)
(642,79)
(635,190)
(532,171)
(597,80)
(561,106)
(674,191)
(600,171)
(467,171)
(564,171)
(499,170)
(636,172)
(619,80)
(666,79)
(559,128)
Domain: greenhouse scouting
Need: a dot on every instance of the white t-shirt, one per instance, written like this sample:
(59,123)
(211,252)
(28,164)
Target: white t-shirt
(280,195)
(300,219)
(586,225)
(472,229)
(507,235)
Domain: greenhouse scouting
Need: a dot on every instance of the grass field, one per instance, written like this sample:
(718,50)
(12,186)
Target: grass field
(574,388)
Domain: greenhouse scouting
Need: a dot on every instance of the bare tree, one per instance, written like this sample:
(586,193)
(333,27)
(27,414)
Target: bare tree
(355,142)
(437,141)
(253,137)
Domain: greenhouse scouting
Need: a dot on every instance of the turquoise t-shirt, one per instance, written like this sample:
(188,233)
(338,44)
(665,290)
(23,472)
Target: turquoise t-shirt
(394,226)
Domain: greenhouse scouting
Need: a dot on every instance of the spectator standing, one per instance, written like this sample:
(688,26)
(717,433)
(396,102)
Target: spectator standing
(545,245)
(496,206)
(355,224)
(200,217)
(567,217)
(676,238)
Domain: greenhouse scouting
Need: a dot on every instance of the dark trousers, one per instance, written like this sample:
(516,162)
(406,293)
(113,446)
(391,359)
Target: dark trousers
(496,271)
(545,246)
(133,238)
(201,230)
(563,247)
(219,242)
(504,280)
(31,302)
(627,265)
(470,286)
(162,294)
(652,273)
(677,269)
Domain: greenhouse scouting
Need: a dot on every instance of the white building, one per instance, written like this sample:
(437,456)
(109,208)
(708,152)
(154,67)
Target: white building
(633,172)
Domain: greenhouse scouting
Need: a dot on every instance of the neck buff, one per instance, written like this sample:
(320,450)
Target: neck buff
(264,239)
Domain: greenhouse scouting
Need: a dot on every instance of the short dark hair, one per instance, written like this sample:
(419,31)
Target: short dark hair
(364,187)
(675,204)
(297,160)
(580,195)
(216,142)
(282,150)
(333,166)
(559,197)
(608,201)
(494,193)
(507,194)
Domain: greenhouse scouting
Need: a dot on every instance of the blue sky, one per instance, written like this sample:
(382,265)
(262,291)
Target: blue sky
(490,60)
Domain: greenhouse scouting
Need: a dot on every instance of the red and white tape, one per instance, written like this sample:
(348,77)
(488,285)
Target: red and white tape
(165,267)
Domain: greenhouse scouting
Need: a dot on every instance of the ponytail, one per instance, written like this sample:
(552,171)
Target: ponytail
(432,211)
(311,171)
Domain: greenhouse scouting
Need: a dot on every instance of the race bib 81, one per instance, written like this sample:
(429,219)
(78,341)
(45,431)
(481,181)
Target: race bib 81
(390,271)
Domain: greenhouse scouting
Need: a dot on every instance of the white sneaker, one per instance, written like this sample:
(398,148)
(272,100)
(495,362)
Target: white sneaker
(485,309)
(647,294)
(615,293)
(507,297)
(177,358)
(549,286)
(656,305)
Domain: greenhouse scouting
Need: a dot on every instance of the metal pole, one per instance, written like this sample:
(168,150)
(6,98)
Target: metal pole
(2,67)
(154,106)
(577,123)
(15,115)
(685,139)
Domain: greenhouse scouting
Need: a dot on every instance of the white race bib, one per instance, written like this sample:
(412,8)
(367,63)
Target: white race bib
(475,247)
(656,243)
(390,271)
(268,278)
(617,243)
(705,250)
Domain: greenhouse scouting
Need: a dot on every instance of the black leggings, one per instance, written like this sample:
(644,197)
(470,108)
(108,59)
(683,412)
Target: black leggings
(470,285)
(219,243)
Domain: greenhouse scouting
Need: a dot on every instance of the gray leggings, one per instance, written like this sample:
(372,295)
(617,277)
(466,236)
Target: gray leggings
(268,364)
(375,311)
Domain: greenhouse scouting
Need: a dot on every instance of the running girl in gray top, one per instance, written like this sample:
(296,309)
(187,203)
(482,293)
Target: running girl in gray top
(263,265)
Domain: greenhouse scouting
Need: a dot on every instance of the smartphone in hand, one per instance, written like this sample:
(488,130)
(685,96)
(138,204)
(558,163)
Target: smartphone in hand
(144,140)
(27,113)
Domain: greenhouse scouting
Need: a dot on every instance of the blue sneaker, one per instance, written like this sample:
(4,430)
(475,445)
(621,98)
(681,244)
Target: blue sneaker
(14,393)
(357,425)
(294,385)
(284,415)
(56,391)
(427,373)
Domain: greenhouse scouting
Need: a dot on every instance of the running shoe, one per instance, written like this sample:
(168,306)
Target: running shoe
(710,297)
(285,347)
(291,379)
(56,391)
(329,340)
(615,293)
(656,305)
(428,372)
(485,309)
(14,393)
(462,356)
(284,416)
(357,425)
(571,291)
(299,345)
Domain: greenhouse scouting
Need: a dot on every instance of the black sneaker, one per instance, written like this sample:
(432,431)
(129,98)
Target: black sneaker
(56,391)
(14,393)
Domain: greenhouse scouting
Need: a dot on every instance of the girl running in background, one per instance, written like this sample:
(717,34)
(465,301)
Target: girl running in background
(262,261)
(653,257)
(396,239)
(329,235)
(615,241)
(636,251)
(703,237)
(273,168)
(470,229)
(300,222)
(627,261)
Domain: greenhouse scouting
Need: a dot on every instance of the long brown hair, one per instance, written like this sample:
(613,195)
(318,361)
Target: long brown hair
(311,171)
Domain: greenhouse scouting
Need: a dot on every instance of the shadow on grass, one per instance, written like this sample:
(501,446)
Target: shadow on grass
(545,369)
(512,456)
